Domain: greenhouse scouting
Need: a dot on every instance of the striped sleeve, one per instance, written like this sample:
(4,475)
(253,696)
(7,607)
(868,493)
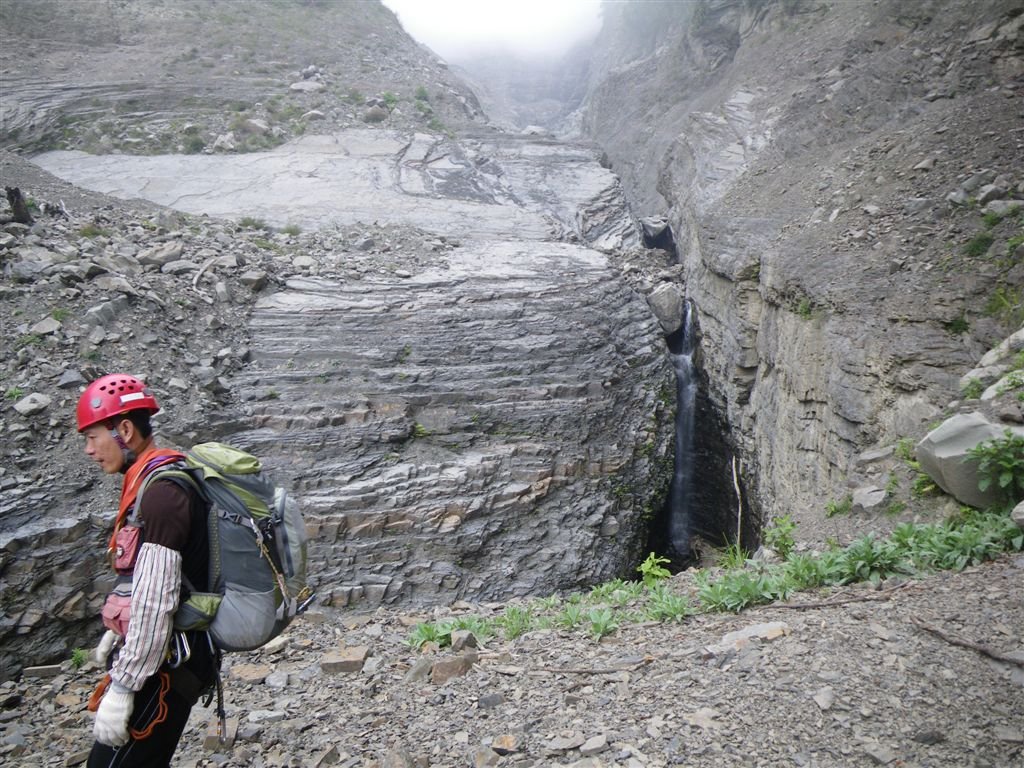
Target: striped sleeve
(155,590)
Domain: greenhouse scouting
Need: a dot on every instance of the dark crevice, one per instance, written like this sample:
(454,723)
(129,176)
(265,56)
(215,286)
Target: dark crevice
(701,505)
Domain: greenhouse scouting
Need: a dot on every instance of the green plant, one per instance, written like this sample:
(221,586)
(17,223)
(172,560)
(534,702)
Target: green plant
(571,616)
(958,325)
(1011,382)
(736,590)
(1001,465)
(991,219)
(419,431)
(602,622)
(60,314)
(27,340)
(78,657)
(779,535)
(515,621)
(664,605)
(1006,304)
(978,245)
(193,145)
(870,560)
(390,99)
(922,485)
(895,508)
(839,506)
(481,628)
(652,570)
(421,94)
(292,229)
(805,309)
(14,393)
(1013,244)
(733,557)
(972,389)
(426,632)
(403,353)
(905,448)
(93,230)
(249,222)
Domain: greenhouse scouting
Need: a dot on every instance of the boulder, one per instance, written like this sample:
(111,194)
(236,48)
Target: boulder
(666,302)
(944,456)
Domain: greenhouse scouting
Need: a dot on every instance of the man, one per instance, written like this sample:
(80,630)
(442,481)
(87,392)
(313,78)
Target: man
(156,674)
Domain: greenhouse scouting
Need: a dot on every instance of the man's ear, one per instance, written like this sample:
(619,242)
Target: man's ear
(126,430)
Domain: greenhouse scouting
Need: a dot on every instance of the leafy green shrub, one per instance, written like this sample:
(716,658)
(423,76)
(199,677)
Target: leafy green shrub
(991,218)
(735,590)
(515,621)
(805,309)
(972,389)
(779,536)
(905,448)
(390,99)
(292,229)
(733,556)
(871,560)
(1001,464)
(602,622)
(978,245)
(421,94)
(652,570)
(571,616)
(78,657)
(664,605)
(839,506)
(958,325)
(426,632)
(193,145)
(14,393)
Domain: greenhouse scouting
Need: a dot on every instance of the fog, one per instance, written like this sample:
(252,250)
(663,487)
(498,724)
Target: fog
(461,29)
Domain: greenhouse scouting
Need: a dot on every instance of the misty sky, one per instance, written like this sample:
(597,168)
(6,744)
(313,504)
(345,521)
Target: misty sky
(455,29)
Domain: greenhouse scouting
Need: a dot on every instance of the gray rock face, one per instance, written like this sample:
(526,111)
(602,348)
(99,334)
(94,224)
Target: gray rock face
(468,430)
(808,209)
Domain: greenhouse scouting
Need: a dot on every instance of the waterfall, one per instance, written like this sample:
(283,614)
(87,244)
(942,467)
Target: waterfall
(681,346)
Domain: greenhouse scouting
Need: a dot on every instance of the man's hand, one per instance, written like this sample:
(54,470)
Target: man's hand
(111,726)
(105,647)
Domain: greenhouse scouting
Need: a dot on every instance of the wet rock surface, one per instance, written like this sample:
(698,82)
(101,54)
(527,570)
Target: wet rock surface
(855,684)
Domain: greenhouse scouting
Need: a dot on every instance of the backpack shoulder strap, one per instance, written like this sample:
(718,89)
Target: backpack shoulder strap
(179,474)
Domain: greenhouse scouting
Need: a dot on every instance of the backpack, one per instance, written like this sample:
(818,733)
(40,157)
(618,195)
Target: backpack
(257,546)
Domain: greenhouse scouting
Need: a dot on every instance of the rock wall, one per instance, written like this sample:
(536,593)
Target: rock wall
(810,158)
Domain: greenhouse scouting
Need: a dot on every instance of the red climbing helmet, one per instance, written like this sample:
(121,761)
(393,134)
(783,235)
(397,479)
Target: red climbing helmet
(112,395)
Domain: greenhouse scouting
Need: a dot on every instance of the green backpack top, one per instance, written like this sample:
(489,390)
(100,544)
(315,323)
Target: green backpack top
(257,545)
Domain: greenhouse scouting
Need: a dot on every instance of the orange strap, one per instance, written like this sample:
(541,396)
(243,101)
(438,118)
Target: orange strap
(161,707)
(97,694)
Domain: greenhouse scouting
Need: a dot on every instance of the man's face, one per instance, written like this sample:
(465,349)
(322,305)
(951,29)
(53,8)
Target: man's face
(101,447)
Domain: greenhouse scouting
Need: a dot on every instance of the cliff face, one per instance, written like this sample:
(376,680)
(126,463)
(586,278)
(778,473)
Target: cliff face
(821,165)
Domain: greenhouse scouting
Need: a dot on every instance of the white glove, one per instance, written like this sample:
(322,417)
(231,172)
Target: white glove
(111,726)
(105,647)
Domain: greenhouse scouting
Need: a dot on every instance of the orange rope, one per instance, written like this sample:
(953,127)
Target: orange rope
(161,710)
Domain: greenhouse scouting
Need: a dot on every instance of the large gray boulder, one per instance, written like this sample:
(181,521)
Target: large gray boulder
(944,454)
